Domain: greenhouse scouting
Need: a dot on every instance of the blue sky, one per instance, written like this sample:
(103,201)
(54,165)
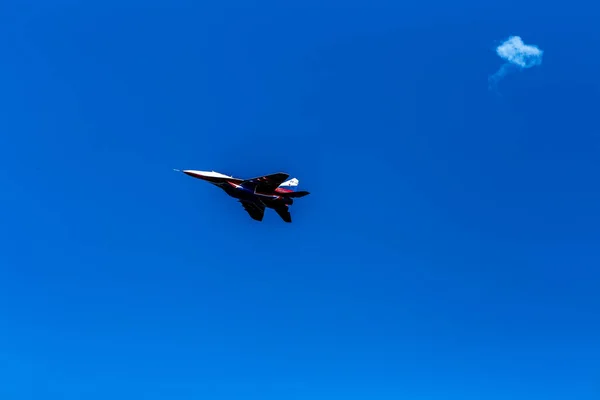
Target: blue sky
(448,249)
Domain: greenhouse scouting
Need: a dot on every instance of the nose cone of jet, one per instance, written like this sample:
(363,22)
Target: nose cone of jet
(191,172)
(198,174)
(210,176)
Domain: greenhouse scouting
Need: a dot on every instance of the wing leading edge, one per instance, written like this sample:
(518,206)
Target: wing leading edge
(268,183)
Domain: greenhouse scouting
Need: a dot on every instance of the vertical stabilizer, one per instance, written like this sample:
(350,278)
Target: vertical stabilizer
(290,185)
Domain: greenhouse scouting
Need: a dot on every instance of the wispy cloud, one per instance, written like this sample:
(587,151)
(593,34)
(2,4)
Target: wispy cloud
(518,56)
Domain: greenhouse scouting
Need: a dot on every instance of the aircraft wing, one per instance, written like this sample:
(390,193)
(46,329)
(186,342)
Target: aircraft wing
(268,183)
(284,213)
(255,211)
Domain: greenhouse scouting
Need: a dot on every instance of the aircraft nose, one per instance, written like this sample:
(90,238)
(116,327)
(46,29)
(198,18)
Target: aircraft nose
(195,174)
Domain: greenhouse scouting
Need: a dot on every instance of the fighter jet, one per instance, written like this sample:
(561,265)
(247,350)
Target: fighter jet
(255,194)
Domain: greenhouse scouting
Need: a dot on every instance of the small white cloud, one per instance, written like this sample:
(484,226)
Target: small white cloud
(518,55)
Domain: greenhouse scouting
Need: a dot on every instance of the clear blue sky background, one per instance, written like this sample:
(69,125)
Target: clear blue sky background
(449,248)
